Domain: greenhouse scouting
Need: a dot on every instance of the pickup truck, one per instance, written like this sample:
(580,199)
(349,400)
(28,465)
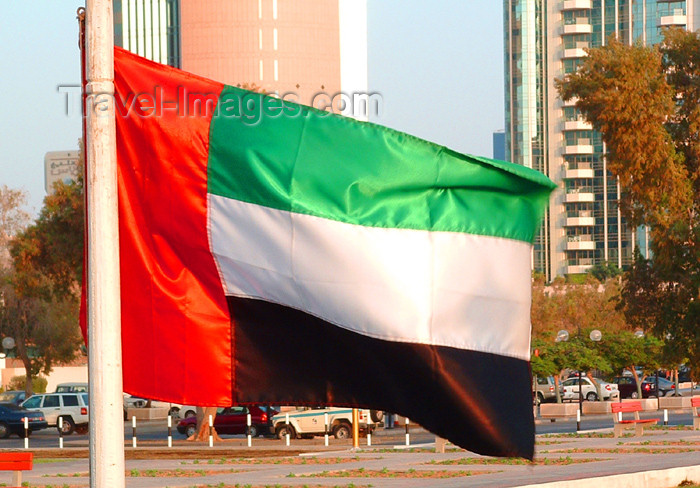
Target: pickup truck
(308,422)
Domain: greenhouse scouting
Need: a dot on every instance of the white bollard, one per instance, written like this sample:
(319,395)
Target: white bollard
(665,416)
(60,432)
(248,423)
(26,433)
(211,435)
(170,431)
(286,423)
(325,422)
(133,431)
(408,439)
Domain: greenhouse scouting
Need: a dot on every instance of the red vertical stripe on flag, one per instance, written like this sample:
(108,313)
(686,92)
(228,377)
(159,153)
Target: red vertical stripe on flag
(176,330)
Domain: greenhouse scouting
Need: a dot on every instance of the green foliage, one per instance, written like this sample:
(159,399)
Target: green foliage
(19,382)
(625,351)
(646,103)
(47,323)
(53,245)
(40,289)
(13,219)
(604,271)
(567,306)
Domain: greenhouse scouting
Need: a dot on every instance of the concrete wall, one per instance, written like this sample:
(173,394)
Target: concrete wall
(61,374)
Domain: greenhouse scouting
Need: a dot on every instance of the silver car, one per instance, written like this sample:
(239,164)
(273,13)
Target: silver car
(588,389)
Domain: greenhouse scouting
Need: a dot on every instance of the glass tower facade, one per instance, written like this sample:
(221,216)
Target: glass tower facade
(149,28)
(545,40)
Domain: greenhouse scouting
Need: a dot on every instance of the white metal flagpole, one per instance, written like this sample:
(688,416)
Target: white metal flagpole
(103,303)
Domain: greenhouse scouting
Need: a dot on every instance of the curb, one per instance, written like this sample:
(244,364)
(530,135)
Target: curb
(662,478)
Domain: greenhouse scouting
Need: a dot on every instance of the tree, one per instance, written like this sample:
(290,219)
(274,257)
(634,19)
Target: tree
(624,350)
(550,361)
(44,327)
(40,290)
(18,382)
(13,219)
(54,243)
(604,271)
(646,103)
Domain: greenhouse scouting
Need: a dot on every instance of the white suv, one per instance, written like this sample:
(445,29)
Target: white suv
(308,422)
(72,407)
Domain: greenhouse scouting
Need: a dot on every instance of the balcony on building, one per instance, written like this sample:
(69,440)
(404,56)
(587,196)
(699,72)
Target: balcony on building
(578,195)
(582,146)
(575,267)
(582,170)
(677,18)
(582,25)
(570,102)
(577,124)
(577,5)
(574,52)
(580,243)
(583,218)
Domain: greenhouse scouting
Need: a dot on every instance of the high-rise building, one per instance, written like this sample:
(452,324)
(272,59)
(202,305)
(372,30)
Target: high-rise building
(545,40)
(311,50)
(149,28)
(499,145)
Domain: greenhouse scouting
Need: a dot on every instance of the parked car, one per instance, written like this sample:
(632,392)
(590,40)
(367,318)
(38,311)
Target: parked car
(13,396)
(71,407)
(588,389)
(12,420)
(628,387)
(308,422)
(666,387)
(186,411)
(544,390)
(72,388)
(132,402)
(232,420)
(173,408)
(639,369)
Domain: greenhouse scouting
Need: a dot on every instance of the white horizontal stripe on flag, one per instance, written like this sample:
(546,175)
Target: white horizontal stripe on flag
(441,288)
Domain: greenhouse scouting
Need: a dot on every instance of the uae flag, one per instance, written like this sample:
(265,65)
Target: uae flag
(274,253)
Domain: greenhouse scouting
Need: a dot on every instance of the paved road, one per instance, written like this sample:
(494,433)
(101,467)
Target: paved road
(157,431)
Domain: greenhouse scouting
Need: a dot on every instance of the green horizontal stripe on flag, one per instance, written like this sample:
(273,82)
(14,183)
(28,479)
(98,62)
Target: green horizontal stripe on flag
(291,157)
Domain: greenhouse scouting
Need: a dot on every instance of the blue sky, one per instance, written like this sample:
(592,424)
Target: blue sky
(438,66)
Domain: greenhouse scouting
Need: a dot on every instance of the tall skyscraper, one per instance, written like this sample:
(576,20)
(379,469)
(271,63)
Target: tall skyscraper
(309,49)
(149,28)
(545,40)
(499,145)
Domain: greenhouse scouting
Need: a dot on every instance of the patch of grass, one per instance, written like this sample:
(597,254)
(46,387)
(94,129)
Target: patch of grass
(417,449)
(623,450)
(669,427)
(296,460)
(558,461)
(178,473)
(278,485)
(680,442)
(386,473)
(586,435)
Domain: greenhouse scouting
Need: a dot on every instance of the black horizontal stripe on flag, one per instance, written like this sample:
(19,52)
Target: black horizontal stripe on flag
(479,401)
